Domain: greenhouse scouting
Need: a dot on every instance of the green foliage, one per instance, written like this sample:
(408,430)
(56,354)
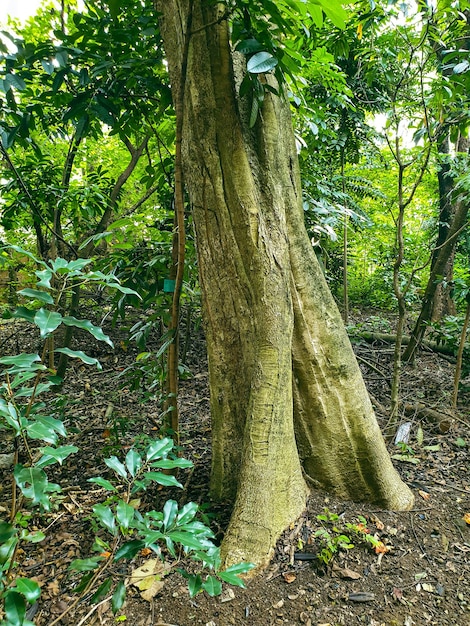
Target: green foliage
(25,378)
(167,532)
(332,537)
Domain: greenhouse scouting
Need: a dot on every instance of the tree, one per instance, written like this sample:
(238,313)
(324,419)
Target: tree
(288,403)
(449,40)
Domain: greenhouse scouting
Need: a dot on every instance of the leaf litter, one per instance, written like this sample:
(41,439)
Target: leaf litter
(422,577)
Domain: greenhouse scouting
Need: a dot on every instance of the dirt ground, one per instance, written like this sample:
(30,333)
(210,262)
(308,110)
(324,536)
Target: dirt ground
(420,577)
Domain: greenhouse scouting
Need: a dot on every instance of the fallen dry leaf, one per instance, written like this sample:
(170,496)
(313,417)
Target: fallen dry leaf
(466,518)
(53,588)
(148,578)
(345,572)
(289,577)
(424,494)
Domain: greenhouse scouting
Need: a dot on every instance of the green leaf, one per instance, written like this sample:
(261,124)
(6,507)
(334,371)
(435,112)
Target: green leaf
(96,331)
(78,354)
(85,565)
(24,361)
(15,81)
(101,591)
(34,537)
(45,277)
(15,608)
(163,479)
(170,510)
(21,312)
(6,531)
(33,484)
(261,62)
(28,588)
(187,513)
(28,254)
(129,549)
(239,568)
(124,514)
(115,464)
(188,540)
(43,296)
(47,321)
(106,517)
(118,598)
(133,462)
(7,550)
(126,290)
(102,482)
(194,584)
(248,46)
(159,448)
(172,463)
(212,586)
(55,454)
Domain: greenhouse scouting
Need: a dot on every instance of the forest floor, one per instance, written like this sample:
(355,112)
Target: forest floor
(423,577)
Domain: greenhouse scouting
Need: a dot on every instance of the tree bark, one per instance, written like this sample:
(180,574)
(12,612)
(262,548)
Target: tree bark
(287,397)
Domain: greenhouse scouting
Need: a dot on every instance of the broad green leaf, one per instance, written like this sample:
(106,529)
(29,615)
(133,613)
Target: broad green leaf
(124,514)
(42,429)
(15,81)
(172,463)
(194,584)
(33,537)
(102,482)
(106,517)
(170,510)
(261,62)
(7,550)
(115,464)
(55,454)
(187,513)
(232,574)
(28,588)
(6,531)
(43,296)
(21,360)
(212,586)
(28,254)
(334,11)
(133,462)
(96,331)
(45,277)
(159,448)
(15,608)
(248,46)
(119,287)
(85,565)
(187,540)
(47,321)
(129,549)
(101,591)
(21,312)
(78,354)
(118,598)
(163,479)
(33,484)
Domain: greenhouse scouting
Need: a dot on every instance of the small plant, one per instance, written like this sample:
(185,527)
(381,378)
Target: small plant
(335,538)
(173,532)
(25,378)
(332,539)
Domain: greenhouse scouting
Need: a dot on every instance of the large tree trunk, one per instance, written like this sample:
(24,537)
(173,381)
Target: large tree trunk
(287,397)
